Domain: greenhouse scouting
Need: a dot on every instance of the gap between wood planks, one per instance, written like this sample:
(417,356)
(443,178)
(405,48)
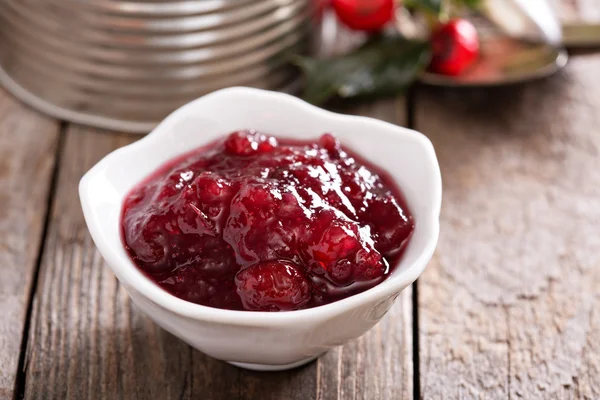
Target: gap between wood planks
(411,97)
(21,375)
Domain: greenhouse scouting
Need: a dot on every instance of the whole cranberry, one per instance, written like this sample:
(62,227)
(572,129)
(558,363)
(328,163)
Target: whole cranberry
(455,47)
(248,142)
(364,15)
(330,143)
(272,286)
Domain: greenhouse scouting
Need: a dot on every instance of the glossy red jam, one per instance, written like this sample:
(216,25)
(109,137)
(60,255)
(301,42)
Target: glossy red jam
(253,223)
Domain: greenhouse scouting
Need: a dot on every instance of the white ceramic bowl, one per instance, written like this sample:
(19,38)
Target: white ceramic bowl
(262,340)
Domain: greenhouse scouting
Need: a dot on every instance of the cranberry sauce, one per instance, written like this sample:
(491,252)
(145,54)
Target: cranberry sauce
(253,223)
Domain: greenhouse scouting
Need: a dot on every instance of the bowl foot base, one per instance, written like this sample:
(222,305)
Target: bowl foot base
(267,367)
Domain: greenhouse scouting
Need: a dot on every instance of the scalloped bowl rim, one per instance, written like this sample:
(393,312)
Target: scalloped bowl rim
(129,274)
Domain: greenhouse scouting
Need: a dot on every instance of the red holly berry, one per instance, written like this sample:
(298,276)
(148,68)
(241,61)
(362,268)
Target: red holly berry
(364,15)
(455,47)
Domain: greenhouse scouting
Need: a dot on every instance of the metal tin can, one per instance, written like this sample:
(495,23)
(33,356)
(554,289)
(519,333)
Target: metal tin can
(125,65)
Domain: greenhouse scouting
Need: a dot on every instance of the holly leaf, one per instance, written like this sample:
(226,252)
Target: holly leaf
(470,3)
(431,6)
(383,66)
(435,6)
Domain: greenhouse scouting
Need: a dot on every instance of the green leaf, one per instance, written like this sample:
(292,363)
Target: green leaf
(436,7)
(470,3)
(431,6)
(383,66)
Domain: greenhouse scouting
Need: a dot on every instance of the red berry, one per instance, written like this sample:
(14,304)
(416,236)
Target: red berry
(149,241)
(390,223)
(330,143)
(272,286)
(341,271)
(339,240)
(248,142)
(455,47)
(364,15)
(369,265)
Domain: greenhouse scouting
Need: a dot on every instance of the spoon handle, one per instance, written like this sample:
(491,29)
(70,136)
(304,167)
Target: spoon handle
(532,20)
(580,34)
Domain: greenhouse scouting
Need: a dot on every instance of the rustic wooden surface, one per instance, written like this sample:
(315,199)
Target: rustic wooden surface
(510,307)
(27,155)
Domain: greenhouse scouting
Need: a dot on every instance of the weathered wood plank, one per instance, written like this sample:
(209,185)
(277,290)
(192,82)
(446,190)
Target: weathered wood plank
(376,366)
(27,155)
(509,308)
(87,341)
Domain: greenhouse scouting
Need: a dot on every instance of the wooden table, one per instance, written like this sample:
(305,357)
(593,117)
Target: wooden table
(508,308)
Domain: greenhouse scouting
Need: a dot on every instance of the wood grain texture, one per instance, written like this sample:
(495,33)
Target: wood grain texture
(376,366)
(510,306)
(88,341)
(27,155)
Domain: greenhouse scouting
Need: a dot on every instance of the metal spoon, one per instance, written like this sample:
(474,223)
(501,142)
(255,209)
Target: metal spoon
(520,41)
(505,61)
(535,21)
